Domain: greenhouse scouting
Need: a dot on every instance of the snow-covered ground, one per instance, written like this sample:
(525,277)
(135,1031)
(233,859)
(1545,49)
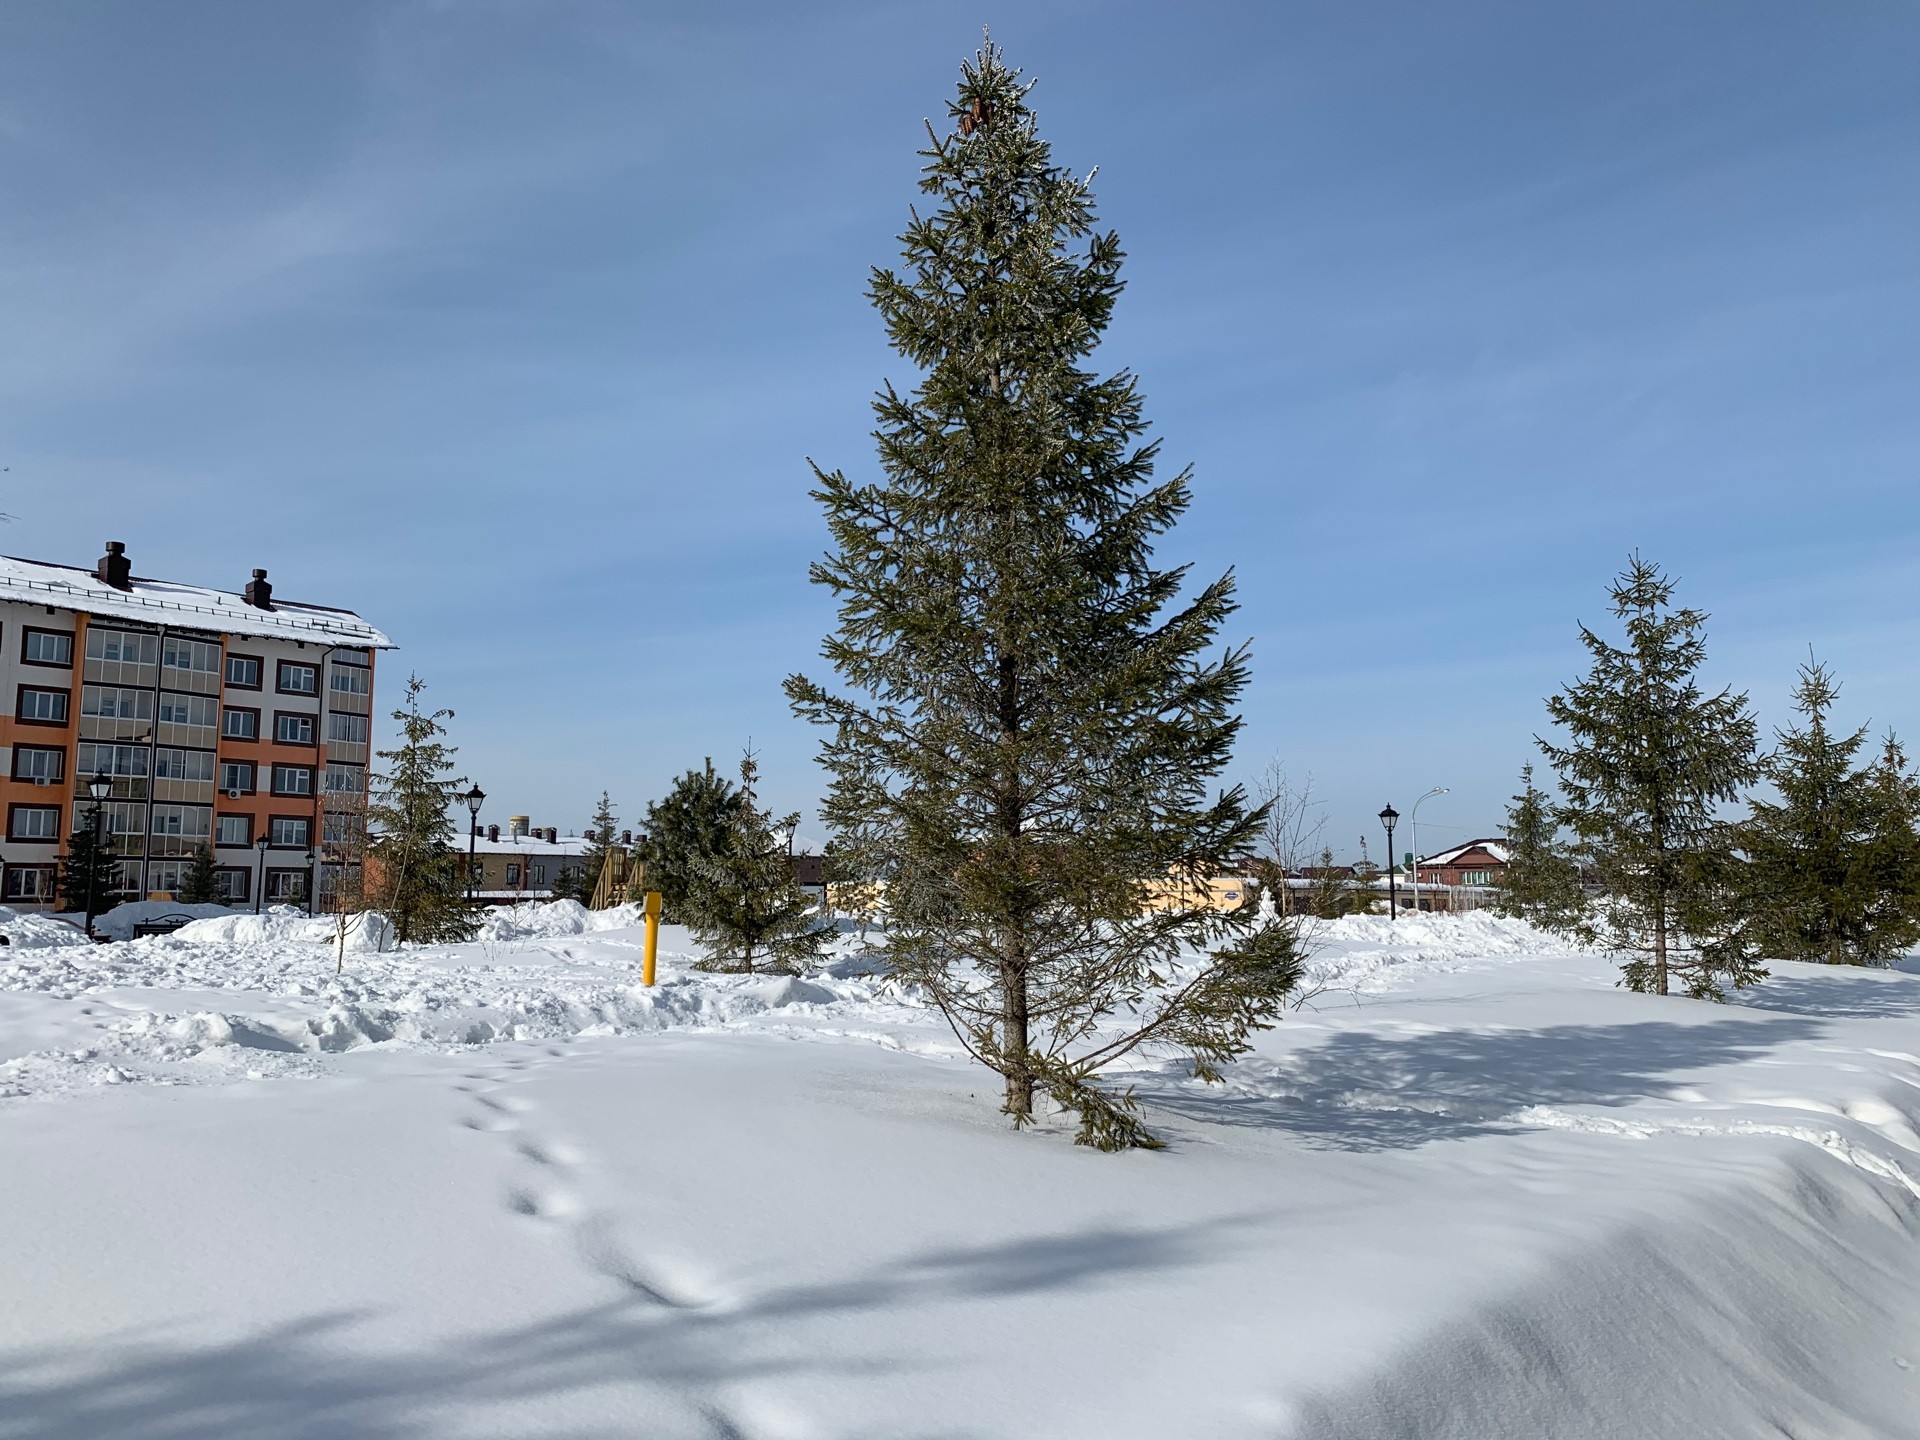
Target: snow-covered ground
(500,1189)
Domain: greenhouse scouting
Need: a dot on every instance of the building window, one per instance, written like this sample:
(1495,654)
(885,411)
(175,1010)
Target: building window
(183,765)
(342,829)
(513,872)
(233,830)
(236,777)
(288,832)
(292,729)
(349,681)
(114,702)
(537,875)
(187,709)
(122,646)
(202,657)
(39,765)
(1476,877)
(30,882)
(165,875)
(243,672)
(47,647)
(190,822)
(345,779)
(297,679)
(293,780)
(42,707)
(345,729)
(127,762)
(234,883)
(240,724)
(33,822)
(287,887)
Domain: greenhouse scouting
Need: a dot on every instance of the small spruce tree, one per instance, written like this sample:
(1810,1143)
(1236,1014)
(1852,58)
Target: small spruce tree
(199,885)
(420,881)
(600,844)
(744,906)
(1035,716)
(1649,760)
(685,831)
(1834,866)
(1541,882)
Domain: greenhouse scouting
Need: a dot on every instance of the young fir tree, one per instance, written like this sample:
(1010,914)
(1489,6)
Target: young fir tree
(89,862)
(199,885)
(744,905)
(419,882)
(1649,759)
(686,830)
(1834,867)
(1541,882)
(582,883)
(1037,719)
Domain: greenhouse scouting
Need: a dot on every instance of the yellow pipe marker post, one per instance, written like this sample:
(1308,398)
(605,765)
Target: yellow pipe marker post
(653,936)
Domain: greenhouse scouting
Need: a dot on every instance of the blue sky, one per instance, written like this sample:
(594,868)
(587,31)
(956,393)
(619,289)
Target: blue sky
(513,325)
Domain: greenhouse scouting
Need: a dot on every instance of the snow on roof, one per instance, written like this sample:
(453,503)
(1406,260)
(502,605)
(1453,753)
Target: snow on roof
(565,847)
(36,582)
(1494,847)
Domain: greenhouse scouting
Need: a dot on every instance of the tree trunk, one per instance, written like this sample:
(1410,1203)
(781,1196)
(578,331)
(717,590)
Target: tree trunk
(1013,1028)
(1660,944)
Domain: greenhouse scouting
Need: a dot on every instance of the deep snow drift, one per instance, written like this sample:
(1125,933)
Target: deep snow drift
(501,1189)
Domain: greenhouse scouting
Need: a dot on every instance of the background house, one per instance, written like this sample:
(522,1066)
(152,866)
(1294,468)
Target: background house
(524,863)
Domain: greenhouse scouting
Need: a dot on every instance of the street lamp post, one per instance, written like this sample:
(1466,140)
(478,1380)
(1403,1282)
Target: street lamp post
(1388,817)
(475,798)
(98,788)
(1413,826)
(260,874)
(312,882)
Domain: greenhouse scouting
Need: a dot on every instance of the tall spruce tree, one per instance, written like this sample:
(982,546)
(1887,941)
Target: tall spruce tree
(1541,882)
(745,906)
(685,831)
(1834,866)
(1035,719)
(1649,760)
(419,879)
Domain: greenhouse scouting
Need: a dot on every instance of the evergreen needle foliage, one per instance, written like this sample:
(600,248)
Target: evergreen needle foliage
(88,856)
(581,883)
(419,881)
(685,831)
(199,885)
(1541,883)
(1834,866)
(745,906)
(1649,759)
(1036,723)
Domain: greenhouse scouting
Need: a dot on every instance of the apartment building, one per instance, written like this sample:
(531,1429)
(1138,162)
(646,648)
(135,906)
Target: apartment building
(223,718)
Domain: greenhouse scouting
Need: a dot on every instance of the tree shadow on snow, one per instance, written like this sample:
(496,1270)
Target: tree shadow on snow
(1370,1092)
(657,1367)
(1847,994)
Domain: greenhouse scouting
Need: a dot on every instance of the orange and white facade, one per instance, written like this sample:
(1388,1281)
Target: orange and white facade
(226,719)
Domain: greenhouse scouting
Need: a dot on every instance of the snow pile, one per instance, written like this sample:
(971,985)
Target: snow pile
(540,920)
(1365,953)
(27,930)
(278,925)
(118,923)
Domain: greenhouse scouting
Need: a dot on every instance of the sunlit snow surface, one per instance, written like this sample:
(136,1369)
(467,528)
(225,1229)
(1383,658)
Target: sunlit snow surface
(1473,1189)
